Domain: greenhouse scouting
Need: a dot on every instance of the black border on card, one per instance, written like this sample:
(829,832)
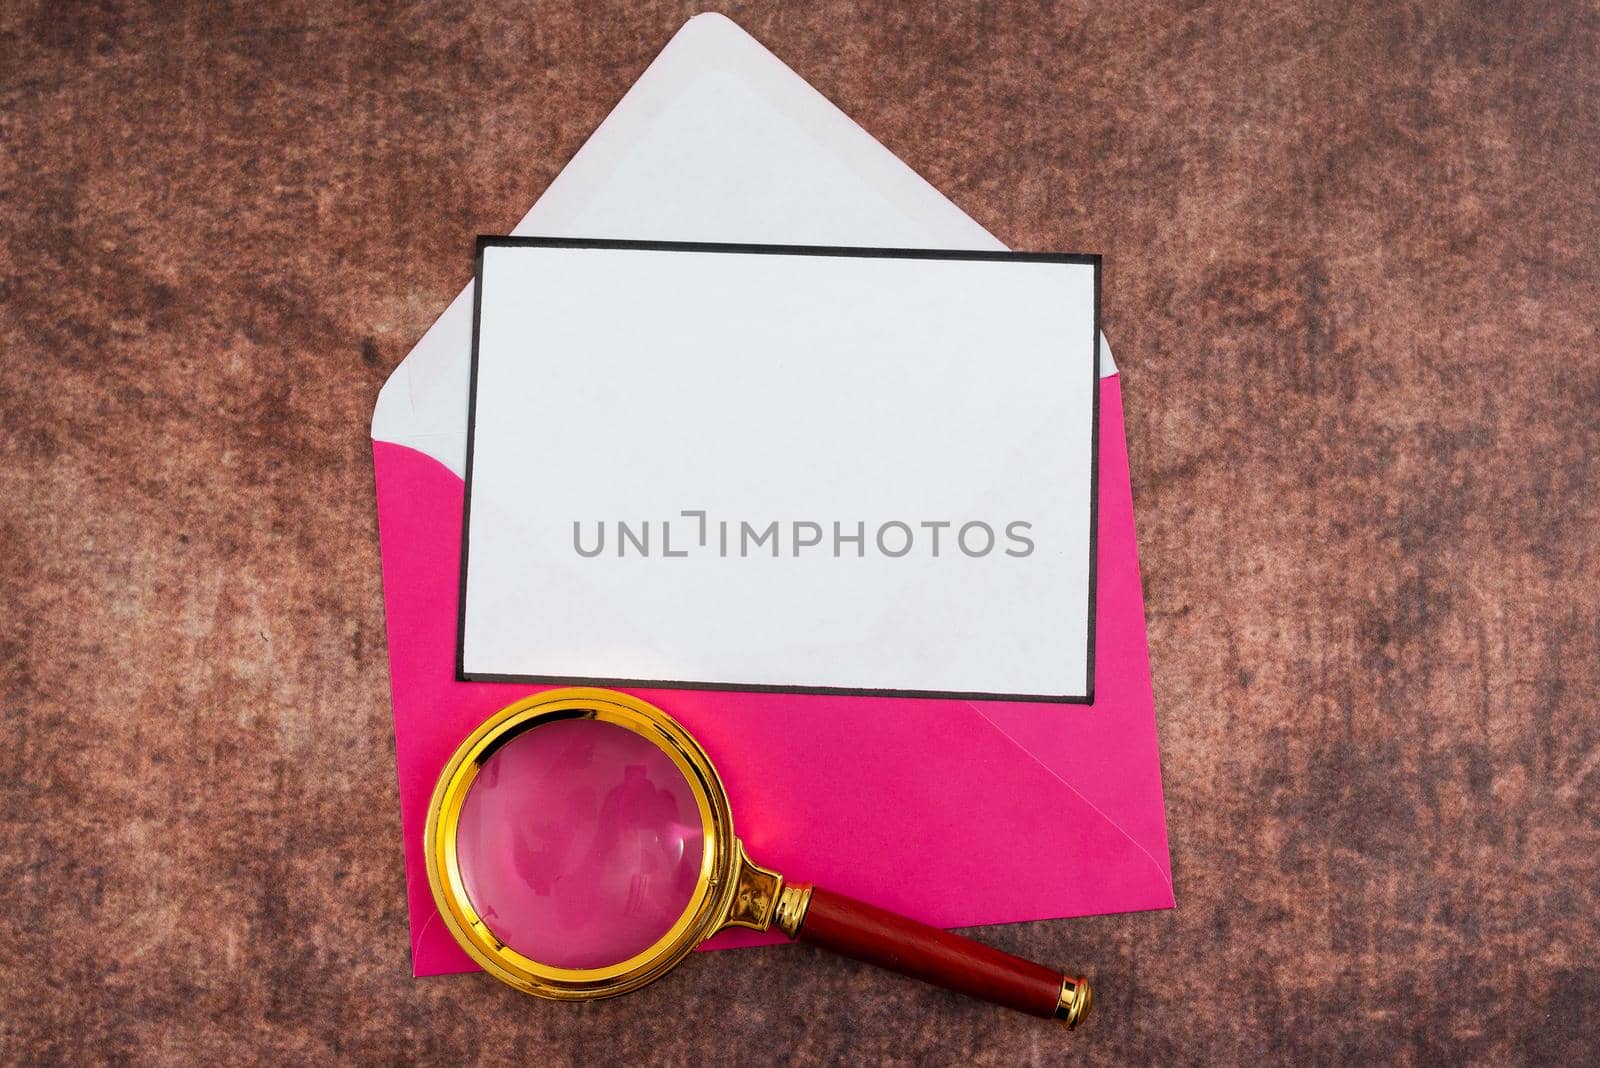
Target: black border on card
(487,241)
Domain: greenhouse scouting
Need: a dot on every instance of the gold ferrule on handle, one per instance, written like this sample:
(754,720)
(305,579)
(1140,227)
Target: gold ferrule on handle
(791,911)
(1073,1004)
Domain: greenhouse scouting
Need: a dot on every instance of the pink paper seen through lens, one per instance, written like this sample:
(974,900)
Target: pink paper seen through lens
(580,843)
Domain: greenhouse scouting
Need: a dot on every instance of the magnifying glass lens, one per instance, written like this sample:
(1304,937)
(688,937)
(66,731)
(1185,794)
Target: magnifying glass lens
(580,843)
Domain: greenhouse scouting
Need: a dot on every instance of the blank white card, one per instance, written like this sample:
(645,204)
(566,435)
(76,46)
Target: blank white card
(763,467)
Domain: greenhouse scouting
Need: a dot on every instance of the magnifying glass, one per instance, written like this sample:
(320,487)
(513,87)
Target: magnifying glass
(580,844)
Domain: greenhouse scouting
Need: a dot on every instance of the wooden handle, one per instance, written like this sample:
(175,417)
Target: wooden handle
(867,933)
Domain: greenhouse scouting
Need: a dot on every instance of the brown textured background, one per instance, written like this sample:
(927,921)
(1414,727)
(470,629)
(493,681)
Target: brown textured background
(1353,279)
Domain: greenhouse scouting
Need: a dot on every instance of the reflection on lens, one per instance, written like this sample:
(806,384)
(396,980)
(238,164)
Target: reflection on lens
(579,843)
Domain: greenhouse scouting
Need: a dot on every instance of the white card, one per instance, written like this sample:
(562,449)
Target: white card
(754,467)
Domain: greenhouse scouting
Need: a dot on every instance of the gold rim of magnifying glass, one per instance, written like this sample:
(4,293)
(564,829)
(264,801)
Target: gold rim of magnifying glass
(708,909)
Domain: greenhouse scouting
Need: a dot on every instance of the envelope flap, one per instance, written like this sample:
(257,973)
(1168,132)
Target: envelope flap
(718,140)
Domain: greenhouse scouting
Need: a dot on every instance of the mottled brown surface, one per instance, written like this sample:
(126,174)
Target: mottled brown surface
(1353,279)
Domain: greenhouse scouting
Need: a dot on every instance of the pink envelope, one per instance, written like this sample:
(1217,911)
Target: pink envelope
(952,812)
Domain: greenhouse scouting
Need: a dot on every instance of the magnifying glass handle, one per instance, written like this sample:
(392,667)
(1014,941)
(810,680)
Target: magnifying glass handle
(867,933)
